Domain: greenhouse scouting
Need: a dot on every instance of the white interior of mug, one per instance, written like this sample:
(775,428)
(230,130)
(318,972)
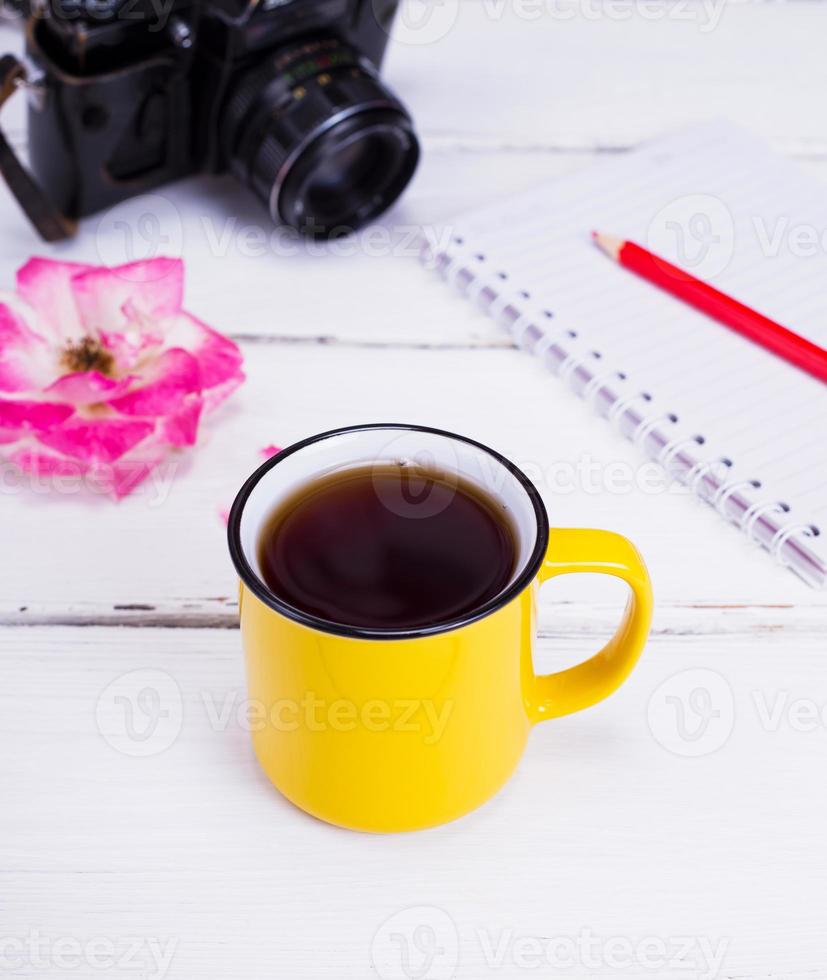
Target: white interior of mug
(377,446)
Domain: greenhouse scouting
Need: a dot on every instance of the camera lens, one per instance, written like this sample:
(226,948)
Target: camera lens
(319,138)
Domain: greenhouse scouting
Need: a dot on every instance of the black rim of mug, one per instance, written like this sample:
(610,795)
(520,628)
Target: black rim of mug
(269,598)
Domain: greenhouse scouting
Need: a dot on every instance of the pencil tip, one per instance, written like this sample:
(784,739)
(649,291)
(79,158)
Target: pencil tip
(609,244)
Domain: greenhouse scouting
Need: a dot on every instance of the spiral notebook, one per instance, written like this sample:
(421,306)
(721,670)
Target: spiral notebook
(745,430)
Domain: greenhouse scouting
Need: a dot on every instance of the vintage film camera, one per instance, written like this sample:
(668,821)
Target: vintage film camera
(127,95)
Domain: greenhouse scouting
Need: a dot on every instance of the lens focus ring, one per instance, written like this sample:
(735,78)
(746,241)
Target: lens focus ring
(296,115)
(280,135)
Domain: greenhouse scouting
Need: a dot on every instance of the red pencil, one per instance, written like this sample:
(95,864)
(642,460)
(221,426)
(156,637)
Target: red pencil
(754,326)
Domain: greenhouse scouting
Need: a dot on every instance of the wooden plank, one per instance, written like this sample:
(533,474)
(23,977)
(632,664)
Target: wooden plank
(251,279)
(358,305)
(186,858)
(603,832)
(558,618)
(76,557)
(578,74)
(601,74)
(366,291)
(582,86)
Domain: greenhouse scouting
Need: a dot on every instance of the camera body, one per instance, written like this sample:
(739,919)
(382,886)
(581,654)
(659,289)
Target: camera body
(285,94)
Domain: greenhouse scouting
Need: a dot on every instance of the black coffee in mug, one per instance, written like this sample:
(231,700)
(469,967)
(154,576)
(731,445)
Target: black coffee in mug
(393,546)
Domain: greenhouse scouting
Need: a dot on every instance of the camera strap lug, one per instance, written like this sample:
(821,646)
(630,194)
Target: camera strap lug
(33,84)
(51,224)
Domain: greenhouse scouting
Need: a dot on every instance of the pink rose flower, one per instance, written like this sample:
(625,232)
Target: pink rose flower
(102,373)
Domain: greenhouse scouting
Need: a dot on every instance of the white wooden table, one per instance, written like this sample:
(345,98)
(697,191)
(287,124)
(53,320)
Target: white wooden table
(675,830)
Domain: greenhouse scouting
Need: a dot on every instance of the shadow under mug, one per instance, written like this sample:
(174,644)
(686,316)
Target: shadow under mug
(390,730)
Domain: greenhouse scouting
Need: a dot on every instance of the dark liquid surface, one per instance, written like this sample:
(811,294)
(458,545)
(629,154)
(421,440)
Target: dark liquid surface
(393,547)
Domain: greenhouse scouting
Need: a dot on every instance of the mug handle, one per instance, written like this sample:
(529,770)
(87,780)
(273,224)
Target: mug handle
(573,550)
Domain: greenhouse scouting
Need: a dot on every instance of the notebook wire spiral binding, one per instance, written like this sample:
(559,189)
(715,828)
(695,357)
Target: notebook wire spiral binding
(766,522)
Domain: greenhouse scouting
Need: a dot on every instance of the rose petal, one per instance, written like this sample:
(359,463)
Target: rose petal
(181,428)
(91,440)
(218,357)
(47,287)
(20,415)
(129,347)
(215,396)
(131,471)
(172,377)
(109,299)
(116,479)
(88,387)
(25,359)
(47,464)
(266,452)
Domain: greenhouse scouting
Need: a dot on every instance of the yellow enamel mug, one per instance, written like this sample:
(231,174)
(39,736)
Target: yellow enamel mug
(389,730)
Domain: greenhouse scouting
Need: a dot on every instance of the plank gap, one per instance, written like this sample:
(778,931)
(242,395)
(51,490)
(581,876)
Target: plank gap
(557,619)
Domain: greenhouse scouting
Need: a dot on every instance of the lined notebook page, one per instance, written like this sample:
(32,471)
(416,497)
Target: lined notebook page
(719,203)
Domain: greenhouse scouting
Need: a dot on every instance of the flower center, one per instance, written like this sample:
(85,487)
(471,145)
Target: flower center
(88,354)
